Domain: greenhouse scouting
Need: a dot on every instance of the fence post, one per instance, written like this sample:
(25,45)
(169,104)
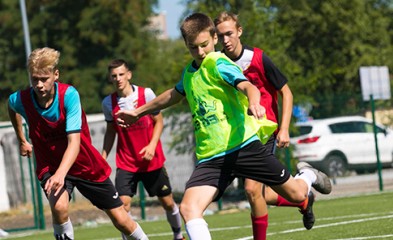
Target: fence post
(379,165)
(142,199)
(40,219)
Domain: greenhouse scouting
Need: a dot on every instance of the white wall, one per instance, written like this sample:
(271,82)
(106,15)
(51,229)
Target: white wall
(4,200)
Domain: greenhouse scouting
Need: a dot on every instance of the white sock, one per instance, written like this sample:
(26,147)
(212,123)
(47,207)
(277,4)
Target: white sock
(174,220)
(138,234)
(63,231)
(197,229)
(308,176)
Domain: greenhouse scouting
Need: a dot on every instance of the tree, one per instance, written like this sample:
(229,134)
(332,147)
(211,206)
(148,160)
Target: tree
(87,33)
(319,45)
(330,40)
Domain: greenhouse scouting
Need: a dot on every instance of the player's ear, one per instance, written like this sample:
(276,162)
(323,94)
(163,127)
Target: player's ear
(56,74)
(239,31)
(215,38)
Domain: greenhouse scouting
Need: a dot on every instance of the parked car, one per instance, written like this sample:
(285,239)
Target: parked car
(338,144)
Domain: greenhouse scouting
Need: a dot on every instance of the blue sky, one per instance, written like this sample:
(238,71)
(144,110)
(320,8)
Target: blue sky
(173,10)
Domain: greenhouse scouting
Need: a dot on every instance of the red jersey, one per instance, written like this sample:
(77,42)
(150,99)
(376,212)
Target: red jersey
(50,142)
(255,73)
(132,139)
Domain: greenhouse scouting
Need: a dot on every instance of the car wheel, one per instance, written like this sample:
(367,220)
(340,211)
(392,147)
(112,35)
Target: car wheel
(335,166)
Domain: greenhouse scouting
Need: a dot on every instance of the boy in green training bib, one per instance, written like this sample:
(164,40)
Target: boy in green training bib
(228,121)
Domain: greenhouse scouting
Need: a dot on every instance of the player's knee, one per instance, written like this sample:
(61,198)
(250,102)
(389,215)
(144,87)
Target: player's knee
(126,207)
(252,194)
(122,222)
(185,210)
(60,208)
(168,203)
(169,207)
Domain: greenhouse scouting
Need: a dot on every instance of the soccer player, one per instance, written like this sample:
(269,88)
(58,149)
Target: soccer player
(139,154)
(227,118)
(260,71)
(62,147)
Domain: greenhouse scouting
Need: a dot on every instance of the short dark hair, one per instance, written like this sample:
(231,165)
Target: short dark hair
(194,24)
(117,63)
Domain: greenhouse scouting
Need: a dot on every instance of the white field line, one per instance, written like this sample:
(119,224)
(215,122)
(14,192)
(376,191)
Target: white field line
(328,225)
(333,218)
(378,216)
(361,238)
(299,229)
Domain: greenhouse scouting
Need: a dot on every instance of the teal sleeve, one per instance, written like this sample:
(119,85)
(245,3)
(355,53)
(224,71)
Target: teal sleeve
(15,103)
(180,86)
(230,72)
(73,110)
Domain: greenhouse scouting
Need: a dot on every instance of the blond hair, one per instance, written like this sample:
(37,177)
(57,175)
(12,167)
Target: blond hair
(226,16)
(43,60)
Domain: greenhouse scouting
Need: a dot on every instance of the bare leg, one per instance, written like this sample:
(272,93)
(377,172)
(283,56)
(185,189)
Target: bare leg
(259,214)
(124,223)
(294,190)
(127,206)
(62,226)
(255,197)
(194,203)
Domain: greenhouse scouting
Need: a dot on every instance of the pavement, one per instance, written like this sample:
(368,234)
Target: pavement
(361,184)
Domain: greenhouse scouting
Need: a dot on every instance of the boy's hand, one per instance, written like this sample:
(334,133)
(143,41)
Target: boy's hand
(126,117)
(282,138)
(26,149)
(257,110)
(54,184)
(148,152)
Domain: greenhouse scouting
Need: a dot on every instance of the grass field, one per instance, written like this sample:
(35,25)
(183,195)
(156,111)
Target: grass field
(359,217)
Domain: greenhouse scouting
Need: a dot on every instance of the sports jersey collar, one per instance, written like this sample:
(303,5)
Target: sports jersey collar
(35,97)
(241,54)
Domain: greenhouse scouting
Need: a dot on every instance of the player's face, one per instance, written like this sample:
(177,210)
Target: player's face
(229,37)
(202,45)
(120,76)
(43,84)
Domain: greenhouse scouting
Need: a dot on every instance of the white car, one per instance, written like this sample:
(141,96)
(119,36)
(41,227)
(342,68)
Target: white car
(335,145)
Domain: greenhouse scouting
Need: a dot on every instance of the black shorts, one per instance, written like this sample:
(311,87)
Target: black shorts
(103,195)
(155,182)
(270,144)
(255,161)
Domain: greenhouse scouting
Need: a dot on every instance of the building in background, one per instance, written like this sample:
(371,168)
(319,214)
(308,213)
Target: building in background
(158,23)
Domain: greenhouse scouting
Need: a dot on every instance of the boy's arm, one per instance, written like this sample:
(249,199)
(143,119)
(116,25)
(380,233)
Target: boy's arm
(253,95)
(109,139)
(25,148)
(286,113)
(164,100)
(149,150)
